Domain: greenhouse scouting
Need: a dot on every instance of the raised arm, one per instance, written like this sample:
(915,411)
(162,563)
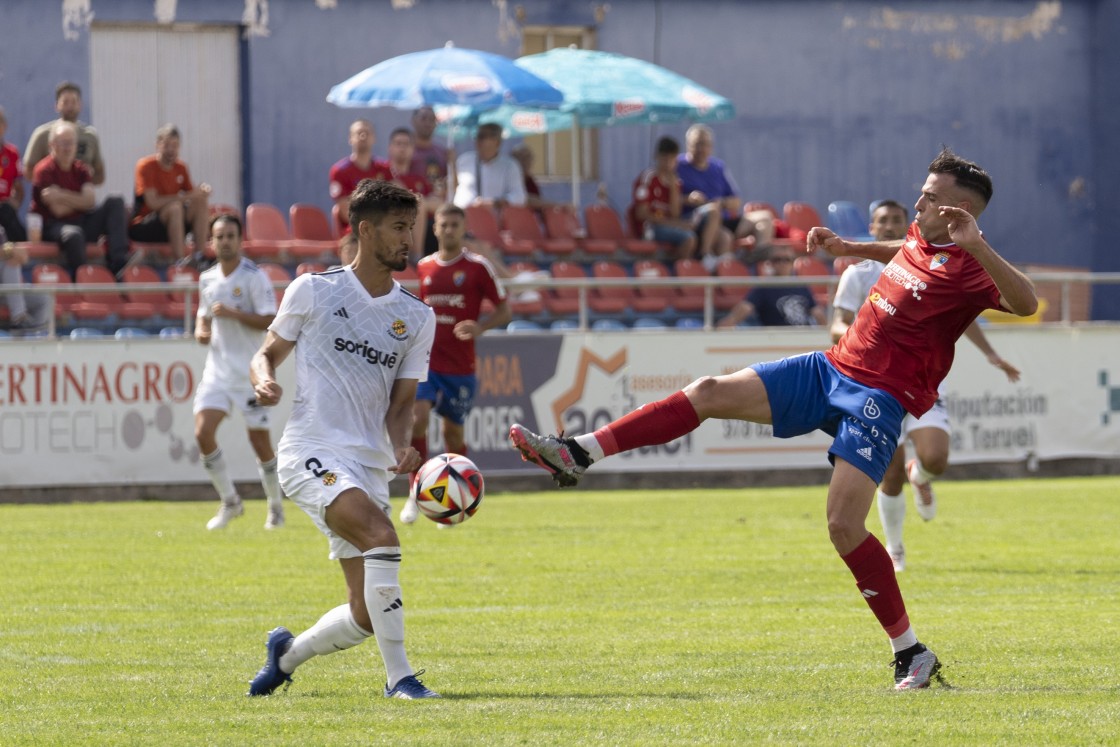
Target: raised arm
(977,337)
(1016,290)
(822,238)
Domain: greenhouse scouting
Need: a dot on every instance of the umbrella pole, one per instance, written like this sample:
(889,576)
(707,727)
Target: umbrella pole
(452,169)
(575,161)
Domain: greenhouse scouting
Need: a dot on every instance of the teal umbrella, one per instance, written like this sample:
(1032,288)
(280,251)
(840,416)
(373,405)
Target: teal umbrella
(601,89)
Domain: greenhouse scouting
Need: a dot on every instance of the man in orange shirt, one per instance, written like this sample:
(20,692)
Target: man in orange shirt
(168,205)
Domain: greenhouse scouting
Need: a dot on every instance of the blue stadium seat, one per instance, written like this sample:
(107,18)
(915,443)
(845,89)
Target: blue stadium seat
(608,325)
(688,322)
(645,322)
(85,333)
(125,333)
(171,332)
(563,325)
(523,325)
(847,220)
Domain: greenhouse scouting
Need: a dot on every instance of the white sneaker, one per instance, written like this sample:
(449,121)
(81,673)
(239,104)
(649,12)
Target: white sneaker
(898,558)
(925,501)
(275,518)
(227,513)
(410,512)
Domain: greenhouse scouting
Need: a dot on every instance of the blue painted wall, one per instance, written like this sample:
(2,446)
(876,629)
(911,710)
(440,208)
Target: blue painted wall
(836,100)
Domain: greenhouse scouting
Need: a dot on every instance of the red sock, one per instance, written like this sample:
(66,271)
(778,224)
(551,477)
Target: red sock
(656,423)
(875,579)
(461,452)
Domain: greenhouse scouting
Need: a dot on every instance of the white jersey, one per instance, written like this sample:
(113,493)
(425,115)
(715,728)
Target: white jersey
(350,348)
(855,284)
(233,344)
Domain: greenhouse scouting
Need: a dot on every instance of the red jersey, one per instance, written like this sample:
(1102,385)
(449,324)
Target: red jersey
(151,175)
(903,339)
(455,290)
(649,189)
(48,174)
(413,183)
(344,178)
(11,170)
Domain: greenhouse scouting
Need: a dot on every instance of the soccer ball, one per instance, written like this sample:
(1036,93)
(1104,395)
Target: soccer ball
(448,489)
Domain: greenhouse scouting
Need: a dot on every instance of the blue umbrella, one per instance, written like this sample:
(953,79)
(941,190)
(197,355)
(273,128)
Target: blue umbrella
(445,76)
(601,89)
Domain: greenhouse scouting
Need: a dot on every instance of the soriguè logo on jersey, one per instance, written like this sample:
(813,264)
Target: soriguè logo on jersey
(363,349)
(399,330)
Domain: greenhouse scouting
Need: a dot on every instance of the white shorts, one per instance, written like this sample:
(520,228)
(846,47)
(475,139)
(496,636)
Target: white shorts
(214,395)
(936,417)
(312,477)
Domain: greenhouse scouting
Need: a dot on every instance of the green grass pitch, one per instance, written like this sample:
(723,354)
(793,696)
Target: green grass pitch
(570,618)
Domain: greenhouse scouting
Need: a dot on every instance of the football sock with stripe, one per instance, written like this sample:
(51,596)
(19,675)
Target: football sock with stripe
(656,423)
(875,579)
(386,610)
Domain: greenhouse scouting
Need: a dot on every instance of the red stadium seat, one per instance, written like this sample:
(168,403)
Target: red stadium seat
(603,223)
(562,222)
(809,266)
(482,224)
(177,307)
(521,223)
(266,233)
(159,300)
(311,232)
(842,263)
(525,302)
(652,300)
(101,305)
(801,216)
(727,297)
(610,300)
(689,298)
(51,274)
(563,301)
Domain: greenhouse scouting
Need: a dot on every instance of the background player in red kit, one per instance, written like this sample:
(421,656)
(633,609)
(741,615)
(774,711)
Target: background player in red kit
(897,351)
(454,282)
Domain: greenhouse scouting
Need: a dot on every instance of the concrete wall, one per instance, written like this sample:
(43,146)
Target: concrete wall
(836,100)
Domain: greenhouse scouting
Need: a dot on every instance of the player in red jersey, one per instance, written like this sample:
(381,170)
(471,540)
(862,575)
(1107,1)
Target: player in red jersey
(454,282)
(897,351)
(360,164)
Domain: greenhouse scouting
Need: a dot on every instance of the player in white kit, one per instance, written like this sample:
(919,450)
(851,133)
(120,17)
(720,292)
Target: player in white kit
(929,434)
(361,345)
(236,304)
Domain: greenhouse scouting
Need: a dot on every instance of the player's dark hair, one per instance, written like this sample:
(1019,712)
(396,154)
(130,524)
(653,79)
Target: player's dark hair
(449,208)
(374,199)
(401,131)
(226,218)
(65,86)
(968,175)
(893,205)
(668,146)
(489,129)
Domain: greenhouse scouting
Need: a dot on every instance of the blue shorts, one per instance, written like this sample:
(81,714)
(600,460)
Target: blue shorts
(668,234)
(807,394)
(451,395)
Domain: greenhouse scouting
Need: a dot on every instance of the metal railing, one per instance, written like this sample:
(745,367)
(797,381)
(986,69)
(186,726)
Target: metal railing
(1067,282)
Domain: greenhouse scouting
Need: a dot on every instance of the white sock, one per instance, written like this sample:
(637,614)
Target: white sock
(924,475)
(892,510)
(270,481)
(904,641)
(590,444)
(335,631)
(386,611)
(215,465)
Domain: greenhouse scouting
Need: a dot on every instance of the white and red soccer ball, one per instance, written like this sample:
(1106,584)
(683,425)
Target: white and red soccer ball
(448,489)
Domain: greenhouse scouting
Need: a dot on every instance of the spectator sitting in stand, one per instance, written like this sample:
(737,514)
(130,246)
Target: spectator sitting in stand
(708,189)
(775,306)
(656,210)
(360,164)
(11,186)
(486,176)
(400,163)
(168,205)
(62,192)
(523,154)
(30,311)
(429,158)
(68,104)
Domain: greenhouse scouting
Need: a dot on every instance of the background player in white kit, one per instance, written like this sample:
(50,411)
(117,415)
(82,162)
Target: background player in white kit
(930,433)
(236,305)
(361,344)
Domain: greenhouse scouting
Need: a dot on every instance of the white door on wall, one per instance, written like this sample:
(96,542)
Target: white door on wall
(145,76)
